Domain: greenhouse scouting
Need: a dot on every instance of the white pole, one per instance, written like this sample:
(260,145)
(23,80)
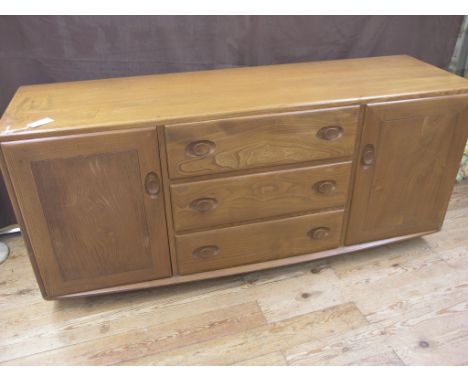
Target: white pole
(4,251)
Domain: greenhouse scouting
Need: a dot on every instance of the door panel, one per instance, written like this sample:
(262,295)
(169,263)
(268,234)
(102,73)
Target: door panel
(410,152)
(93,219)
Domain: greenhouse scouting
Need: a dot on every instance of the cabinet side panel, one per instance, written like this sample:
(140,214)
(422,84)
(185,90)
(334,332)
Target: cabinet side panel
(93,218)
(20,219)
(82,200)
(410,152)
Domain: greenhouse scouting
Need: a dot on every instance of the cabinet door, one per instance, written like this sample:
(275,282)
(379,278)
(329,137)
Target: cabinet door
(409,155)
(92,207)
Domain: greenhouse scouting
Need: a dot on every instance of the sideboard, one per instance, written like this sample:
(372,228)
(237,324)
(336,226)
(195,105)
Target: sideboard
(137,182)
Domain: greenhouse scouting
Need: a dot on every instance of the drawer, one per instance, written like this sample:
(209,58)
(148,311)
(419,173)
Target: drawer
(241,143)
(241,198)
(258,242)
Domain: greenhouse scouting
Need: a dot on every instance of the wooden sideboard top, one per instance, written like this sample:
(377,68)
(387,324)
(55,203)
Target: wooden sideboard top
(179,97)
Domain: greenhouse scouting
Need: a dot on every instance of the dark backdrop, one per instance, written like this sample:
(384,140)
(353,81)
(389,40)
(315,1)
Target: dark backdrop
(39,49)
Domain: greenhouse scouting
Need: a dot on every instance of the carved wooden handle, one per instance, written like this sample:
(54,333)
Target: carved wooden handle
(200,148)
(330,133)
(320,233)
(204,204)
(325,186)
(206,252)
(368,155)
(152,184)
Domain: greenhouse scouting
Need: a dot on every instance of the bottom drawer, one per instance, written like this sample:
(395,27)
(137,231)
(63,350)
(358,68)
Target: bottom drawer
(258,242)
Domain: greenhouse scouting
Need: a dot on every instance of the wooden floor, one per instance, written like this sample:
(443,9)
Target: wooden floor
(406,303)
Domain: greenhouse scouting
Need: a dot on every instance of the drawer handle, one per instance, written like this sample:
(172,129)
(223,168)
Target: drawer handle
(325,186)
(152,184)
(330,133)
(204,204)
(200,148)
(206,252)
(320,233)
(368,155)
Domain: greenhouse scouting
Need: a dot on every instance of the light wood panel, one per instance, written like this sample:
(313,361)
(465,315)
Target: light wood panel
(248,197)
(243,143)
(404,295)
(262,340)
(275,358)
(257,242)
(362,346)
(93,211)
(105,104)
(150,339)
(410,152)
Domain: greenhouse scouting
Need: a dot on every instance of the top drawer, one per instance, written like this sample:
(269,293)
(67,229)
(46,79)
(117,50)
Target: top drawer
(240,143)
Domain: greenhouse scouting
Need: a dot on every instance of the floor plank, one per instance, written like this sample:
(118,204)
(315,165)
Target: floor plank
(263,340)
(312,291)
(146,341)
(438,338)
(364,345)
(276,359)
(404,303)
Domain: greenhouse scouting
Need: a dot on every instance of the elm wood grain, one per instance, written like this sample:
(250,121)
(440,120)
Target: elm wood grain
(256,170)
(354,166)
(410,153)
(90,213)
(21,223)
(124,102)
(241,198)
(257,242)
(204,147)
(77,215)
(241,143)
(167,199)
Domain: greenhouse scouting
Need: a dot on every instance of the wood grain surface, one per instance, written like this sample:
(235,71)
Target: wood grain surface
(109,103)
(243,143)
(418,146)
(89,213)
(248,197)
(95,206)
(400,304)
(257,242)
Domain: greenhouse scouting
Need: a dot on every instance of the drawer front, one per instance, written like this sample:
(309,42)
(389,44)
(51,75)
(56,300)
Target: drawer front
(241,198)
(250,142)
(258,242)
